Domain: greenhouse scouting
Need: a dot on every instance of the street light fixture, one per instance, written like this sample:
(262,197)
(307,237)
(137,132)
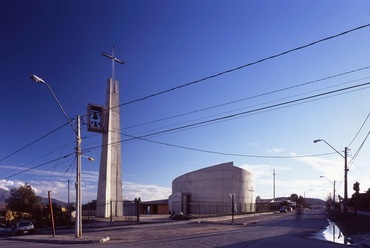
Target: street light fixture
(78,221)
(304,193)
(89,158)
(345,200)
(333,183)
(40,80)
(304,196)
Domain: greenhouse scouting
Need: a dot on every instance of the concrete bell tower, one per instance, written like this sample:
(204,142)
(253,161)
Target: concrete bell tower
(106,120)
(109,198)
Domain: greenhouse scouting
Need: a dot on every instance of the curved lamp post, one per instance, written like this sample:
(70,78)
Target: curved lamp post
(304,196)
(333,183)
(78,221)
(345,200)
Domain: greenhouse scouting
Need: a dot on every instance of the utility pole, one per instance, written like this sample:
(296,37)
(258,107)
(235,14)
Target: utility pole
(345,199)
(345,202)
(68,193)
(274,184)
(51,214)
(78,220)
(334,195)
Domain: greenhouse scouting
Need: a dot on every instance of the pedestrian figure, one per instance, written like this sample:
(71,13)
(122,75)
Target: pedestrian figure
(299,212)
(148,210)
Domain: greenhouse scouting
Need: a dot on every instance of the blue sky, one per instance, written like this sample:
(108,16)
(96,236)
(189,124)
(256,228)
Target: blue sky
(166,44)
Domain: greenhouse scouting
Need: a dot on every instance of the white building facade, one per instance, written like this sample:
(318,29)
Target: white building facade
(210,191)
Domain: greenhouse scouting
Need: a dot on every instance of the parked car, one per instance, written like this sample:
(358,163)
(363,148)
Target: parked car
(283,210)
(5,231)
(23,227)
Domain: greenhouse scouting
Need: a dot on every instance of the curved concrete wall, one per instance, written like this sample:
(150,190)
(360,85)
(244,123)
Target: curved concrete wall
(214,185)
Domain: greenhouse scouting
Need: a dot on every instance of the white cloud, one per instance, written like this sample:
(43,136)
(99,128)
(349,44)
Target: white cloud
(7,185)
(332,169)
(59,190)
(277,150)
(261,170)
(145,192)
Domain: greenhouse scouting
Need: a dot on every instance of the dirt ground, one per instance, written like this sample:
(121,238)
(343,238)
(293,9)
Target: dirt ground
(352,225)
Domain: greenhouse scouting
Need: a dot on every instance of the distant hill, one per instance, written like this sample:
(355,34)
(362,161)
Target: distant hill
(59,203)
(309,201)
(314,201)
(4,194)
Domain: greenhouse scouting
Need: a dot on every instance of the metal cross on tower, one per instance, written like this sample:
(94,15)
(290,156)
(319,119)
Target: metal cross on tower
(113,58)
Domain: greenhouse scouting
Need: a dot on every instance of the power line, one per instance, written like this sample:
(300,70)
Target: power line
(222,153)
(230,116)
(242,66)
(33,142)
(358,150)
(63,174)
(38,158)
(359,129)
(37,166)
(251,97)
(256,110)
(260,104)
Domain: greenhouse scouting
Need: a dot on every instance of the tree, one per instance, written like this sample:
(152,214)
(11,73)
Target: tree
(293,197)
(24,200)
(301,201)
(285,203)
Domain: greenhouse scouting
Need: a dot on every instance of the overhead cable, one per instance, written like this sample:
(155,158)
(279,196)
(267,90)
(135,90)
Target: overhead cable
(230,116)
(256,110)
(224,153)
(242,66)
(246,98)
(37,166)
(367,117)
(33,142)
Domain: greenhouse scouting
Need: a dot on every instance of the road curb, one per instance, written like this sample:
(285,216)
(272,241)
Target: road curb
(62,239)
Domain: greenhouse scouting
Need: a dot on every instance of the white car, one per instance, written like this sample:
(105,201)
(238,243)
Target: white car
(283,210)
(23,227)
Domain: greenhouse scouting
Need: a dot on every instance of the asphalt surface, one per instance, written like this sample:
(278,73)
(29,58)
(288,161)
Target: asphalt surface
(158,228)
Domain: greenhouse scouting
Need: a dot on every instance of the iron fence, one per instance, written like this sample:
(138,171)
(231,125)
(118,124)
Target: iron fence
(129,210)
(211,209)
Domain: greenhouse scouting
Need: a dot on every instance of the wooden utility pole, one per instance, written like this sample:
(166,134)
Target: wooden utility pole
(51,214)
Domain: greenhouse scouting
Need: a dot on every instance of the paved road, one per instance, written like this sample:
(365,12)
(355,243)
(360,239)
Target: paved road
(273,230)
(278,230)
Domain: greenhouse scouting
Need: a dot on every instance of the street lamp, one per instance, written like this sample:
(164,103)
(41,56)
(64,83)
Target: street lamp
(232,195)
(345,200)
(304,195)
(333,183)
(89,158)
(78,221)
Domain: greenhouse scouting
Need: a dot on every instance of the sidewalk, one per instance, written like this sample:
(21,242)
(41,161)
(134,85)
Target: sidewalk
(91,235)
(67,236)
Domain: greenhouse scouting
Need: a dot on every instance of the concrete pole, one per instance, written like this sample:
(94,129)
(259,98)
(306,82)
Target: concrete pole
(334,194)
(78,221)
(345,201)
(274,185)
